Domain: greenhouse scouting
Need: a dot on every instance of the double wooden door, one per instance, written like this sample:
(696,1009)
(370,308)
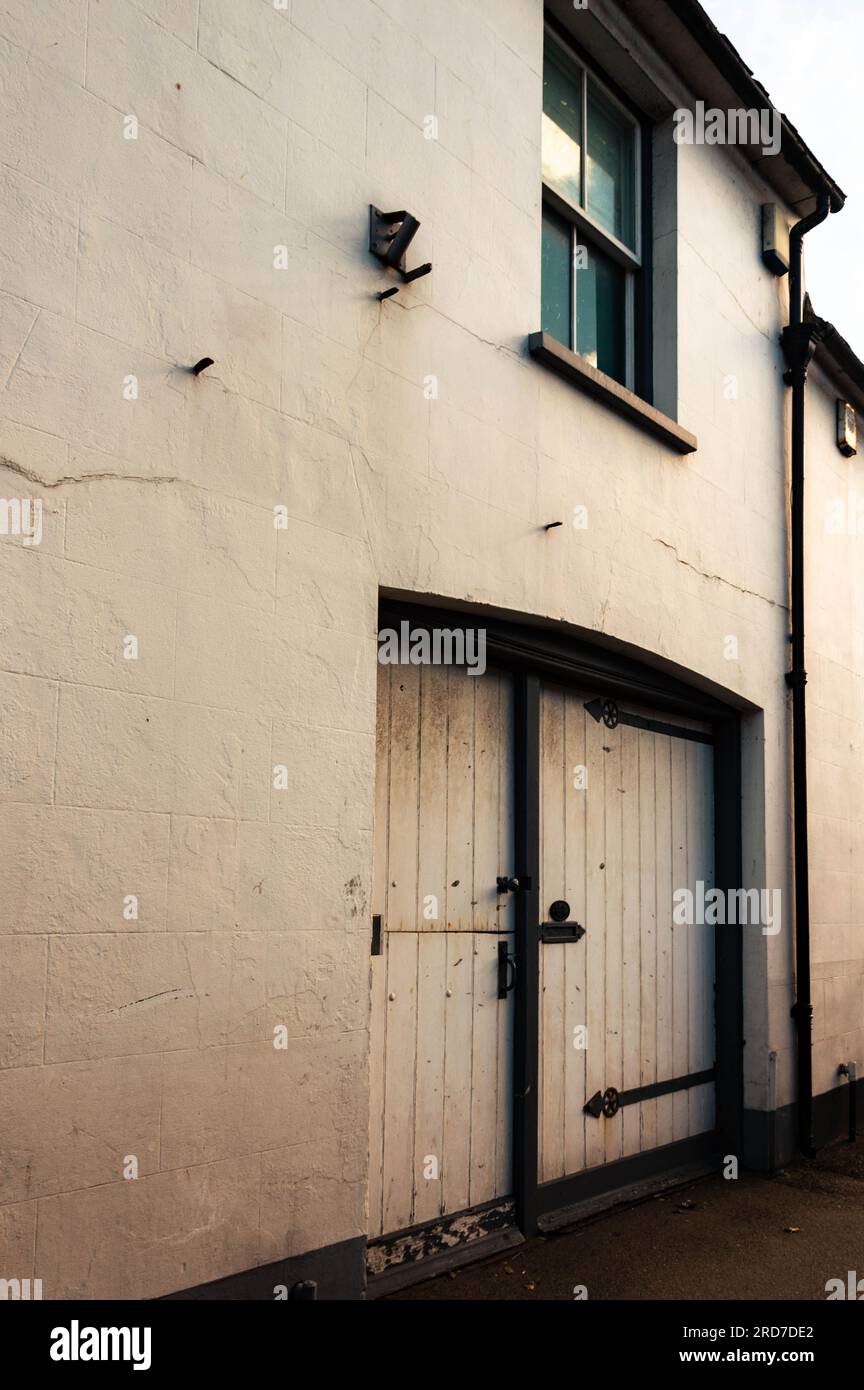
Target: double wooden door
(625,1038)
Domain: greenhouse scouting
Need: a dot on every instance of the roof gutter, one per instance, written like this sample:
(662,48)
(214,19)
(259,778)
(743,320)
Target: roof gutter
(731,65)
(682,31)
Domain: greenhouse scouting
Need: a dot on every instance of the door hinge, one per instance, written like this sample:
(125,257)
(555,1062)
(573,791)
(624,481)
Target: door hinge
(609,1102)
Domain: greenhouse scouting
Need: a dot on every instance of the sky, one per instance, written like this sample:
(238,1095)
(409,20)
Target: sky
(807,53)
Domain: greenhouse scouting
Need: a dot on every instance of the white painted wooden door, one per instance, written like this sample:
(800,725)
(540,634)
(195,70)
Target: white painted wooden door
(441,1040)
(626,819)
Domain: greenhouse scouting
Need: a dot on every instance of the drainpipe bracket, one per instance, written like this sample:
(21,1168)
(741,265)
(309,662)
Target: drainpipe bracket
(796,680)
(799,346)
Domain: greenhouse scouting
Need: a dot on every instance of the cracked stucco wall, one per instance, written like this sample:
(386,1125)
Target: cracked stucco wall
(414,447)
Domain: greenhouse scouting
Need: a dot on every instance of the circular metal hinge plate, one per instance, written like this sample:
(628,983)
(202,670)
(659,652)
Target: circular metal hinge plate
(610,1102)
(610,714)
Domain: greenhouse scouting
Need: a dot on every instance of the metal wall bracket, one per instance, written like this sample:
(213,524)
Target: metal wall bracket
(799,342)
(390,235)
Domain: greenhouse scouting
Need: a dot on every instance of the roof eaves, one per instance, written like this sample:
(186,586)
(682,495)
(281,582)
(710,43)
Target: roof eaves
(838,359)
(738,77)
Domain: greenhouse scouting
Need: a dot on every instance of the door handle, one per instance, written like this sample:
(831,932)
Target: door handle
(506,965)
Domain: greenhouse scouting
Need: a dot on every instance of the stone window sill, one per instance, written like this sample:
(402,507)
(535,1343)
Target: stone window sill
(577,371)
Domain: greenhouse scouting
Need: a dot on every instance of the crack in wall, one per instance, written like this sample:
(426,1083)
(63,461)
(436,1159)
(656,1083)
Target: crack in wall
(33,477)
(718,578)
(20,353)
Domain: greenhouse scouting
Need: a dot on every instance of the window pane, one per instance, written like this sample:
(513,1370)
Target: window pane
(557,264)
(562,124)
(611,167)
(601,313)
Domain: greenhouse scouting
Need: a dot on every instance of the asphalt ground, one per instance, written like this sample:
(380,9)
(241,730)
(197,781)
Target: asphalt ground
(781,1236)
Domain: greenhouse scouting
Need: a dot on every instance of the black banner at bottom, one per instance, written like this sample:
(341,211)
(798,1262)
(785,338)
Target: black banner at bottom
(253,1340)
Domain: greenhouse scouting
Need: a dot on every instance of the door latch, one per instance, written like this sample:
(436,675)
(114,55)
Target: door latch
(511,885)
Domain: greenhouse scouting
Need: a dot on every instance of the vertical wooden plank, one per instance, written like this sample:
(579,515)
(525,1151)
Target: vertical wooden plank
(378,1013)
(484,1069)
(648,948)
(702,1109)
(613,1129)
(458,1028)
(506,913)
(492,754)
(429,1124)
(460,800)
(681,935)
(432,807)
(526,1031)
(696,941)
(700,804)
(490,749)
(402,914)
(399,1074)
(663,843)
(506,905)
(708,958)
(595,938)
(575,1011)
(377,1111)
(505,1014)
(631,931)
(381,830)
(552,1047)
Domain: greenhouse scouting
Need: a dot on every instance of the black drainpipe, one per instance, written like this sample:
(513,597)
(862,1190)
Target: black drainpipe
(799,345)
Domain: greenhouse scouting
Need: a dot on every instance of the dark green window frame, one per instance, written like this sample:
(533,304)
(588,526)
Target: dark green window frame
(593,269)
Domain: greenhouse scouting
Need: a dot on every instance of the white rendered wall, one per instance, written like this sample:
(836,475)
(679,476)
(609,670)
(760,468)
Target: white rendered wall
(417,449)
(835,733)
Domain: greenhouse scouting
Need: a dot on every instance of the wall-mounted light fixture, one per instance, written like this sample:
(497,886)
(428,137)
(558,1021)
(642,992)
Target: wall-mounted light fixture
(775,239)
(847,429)
(390,235)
